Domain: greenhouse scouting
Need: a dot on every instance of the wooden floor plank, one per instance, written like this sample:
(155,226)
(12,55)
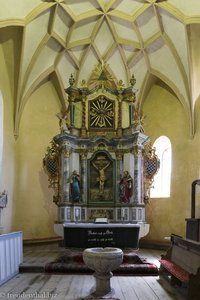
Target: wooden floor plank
(18,280)
(76,287)
(163,291)
(72,287)
(33,285)
(63,287)
(142,290)
(126,289)
(47,290)
(85,288)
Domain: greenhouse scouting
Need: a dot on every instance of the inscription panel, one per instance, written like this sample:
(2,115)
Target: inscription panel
(101,235)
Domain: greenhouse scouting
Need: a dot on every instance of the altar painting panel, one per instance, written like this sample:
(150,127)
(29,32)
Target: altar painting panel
(101,183)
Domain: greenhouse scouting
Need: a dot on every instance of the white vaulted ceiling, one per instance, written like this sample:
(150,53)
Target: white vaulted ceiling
(155,40)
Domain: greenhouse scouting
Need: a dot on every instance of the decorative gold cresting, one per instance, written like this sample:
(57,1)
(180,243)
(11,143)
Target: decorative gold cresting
(98,105)
(102,77)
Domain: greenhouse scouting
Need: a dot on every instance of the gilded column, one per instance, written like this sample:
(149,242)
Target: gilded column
(84,92)
(119,129)
(71,91)
(120,89)
(83,127)
(83,156)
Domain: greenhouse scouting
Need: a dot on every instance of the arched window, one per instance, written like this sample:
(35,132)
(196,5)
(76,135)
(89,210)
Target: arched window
(1,131)
(162,180)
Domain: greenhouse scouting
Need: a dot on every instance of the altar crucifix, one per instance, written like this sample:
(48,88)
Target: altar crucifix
(101,164)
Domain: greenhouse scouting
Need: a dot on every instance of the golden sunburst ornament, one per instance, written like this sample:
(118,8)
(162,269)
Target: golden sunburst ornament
(101,113)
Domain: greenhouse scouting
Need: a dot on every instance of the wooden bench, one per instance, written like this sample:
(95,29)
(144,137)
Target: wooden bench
(182,262)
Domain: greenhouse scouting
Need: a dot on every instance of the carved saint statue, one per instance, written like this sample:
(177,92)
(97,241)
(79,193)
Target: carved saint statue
(75,186)
(63,121)
(138,122)
(100,166)
(126,187)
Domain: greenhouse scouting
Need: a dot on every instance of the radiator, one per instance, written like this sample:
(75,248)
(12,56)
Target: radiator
(11,255)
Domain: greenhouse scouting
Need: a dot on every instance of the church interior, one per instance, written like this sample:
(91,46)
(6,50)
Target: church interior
(99,130)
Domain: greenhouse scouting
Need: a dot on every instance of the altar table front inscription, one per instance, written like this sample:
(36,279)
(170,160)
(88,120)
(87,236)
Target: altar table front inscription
(101,235)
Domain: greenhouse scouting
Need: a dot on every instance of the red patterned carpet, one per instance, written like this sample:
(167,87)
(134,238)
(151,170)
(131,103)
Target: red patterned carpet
(71,262)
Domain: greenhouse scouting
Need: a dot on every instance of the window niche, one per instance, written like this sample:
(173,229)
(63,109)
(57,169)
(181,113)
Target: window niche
(162,180)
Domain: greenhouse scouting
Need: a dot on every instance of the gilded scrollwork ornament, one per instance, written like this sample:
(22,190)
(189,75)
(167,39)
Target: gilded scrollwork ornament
(151,167)
(51,167)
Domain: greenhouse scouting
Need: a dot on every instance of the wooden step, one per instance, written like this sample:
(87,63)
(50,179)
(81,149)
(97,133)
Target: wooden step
(32,268)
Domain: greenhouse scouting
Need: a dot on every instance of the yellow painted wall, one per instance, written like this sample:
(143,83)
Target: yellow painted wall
(7,177)
(30,207)
(165,116)
(34,211)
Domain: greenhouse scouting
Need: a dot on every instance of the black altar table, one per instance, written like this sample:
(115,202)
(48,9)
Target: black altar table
(87,235)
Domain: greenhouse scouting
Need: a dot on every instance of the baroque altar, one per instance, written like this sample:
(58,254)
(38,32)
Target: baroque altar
(101,164)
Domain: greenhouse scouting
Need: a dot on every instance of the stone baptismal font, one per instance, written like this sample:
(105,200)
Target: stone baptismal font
(103,261)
